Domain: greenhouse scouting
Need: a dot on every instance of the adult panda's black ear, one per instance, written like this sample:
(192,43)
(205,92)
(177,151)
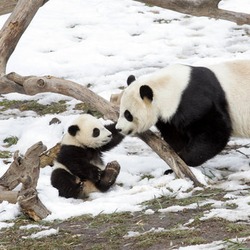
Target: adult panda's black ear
(73,130)
(146,92)
(130,79)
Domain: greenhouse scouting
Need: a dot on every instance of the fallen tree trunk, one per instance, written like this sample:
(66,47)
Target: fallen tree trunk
(208,8)
(33,85)
(25,171)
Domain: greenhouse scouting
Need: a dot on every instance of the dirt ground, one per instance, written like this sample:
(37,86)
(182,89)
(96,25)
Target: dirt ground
(140,230)
(110,236)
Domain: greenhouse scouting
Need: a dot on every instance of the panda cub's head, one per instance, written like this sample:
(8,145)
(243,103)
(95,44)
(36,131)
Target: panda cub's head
(87,131)
(137,111)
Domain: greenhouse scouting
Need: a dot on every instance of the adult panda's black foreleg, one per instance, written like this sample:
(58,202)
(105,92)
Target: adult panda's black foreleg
(116,138)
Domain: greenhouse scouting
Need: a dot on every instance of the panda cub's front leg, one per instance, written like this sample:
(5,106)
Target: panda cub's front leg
(107,179)
(108,176)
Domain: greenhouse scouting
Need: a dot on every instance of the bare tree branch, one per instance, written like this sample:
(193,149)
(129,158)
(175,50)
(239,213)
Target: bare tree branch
(14,27)
(7,6)
(207,8)
(7,86)
(33,85)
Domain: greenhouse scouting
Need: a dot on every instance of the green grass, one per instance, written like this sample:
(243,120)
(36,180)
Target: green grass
(197,198)
(5,154)
(87,109)
(9,141)
(40,109)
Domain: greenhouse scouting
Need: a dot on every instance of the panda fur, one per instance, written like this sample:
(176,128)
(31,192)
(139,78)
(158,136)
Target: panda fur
(196,109)
(79,168)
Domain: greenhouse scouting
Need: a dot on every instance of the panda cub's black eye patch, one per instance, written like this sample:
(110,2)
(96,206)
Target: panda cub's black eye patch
(128,116)
(96,132)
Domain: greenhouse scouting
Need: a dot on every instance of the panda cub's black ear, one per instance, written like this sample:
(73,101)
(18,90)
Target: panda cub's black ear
(73,130)
(130,79)
(146,91)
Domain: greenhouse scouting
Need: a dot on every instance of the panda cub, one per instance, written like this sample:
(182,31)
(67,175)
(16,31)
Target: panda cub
(79,168)
(196,109)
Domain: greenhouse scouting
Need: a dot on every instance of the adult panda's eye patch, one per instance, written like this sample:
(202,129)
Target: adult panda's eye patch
(128,116)
(96,132)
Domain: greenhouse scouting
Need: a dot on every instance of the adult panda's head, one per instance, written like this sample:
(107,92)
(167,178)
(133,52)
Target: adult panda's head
(87,131)
(137,110)
(151,98)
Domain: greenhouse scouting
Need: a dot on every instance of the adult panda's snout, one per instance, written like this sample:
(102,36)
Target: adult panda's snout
(121,128)
(118,128)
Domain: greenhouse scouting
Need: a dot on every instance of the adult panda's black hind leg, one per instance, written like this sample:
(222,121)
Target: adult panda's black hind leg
(207,138)
(199,152)
(68,185)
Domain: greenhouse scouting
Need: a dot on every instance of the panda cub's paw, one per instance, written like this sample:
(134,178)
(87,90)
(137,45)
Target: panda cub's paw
(110,173)
(95,175)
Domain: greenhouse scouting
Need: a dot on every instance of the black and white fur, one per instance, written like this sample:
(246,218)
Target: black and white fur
(79,165)
(196,109)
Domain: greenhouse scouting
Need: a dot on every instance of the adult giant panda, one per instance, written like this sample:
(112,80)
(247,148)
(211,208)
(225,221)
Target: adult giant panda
(196,109)
(79,168)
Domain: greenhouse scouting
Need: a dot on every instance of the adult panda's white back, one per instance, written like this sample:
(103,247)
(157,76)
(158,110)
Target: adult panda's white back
(234,78)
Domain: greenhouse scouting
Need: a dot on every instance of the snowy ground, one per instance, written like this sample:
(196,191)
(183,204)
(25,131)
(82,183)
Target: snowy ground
(100,43)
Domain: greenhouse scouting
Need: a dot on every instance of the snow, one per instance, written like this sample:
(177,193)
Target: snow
(8,211)
(43,233)
(216,245)
(6,225)
(100,43)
